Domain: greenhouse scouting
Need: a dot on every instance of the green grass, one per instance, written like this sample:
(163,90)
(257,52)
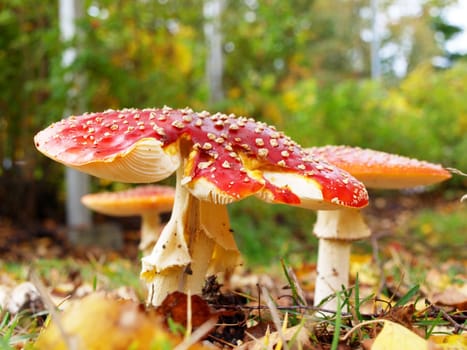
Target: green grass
(441,232)
(21,329)
(106,275)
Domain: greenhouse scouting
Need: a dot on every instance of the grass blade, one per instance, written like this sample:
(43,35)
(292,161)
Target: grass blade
(408,296)
(295,294)
(357,299)
(337,326)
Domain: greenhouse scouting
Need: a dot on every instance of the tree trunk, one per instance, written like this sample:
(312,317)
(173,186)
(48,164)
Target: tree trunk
(212,11)
(77,183)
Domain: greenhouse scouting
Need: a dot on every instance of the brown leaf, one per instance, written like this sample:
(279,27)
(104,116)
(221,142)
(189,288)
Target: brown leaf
(451,297)
(402,315)
(175,306)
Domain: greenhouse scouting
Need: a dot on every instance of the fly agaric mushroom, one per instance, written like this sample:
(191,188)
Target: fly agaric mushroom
(218,159)
(336,229)
(146,201)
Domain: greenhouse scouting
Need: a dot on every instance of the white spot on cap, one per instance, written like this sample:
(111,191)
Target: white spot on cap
(206,146)
(259,142)
(204,165)
(186,180)
(178,124)
(263,152)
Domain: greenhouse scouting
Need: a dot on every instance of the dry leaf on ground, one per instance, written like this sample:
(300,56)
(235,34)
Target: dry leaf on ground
(451,297)
(100,322)
(449,342)
(298,334)
(394,336)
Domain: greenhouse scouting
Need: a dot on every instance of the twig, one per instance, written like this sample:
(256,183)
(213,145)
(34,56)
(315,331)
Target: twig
(189,323)
(197,335)
(457,327)
(358,326)
(456,171)
(222,341)
(259,300)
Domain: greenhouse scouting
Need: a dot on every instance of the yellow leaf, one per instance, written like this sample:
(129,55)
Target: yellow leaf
(450,342)
(366,269)
(103,323)
(395,336)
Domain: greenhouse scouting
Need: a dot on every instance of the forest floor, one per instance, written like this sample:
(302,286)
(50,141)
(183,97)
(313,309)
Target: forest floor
(412,280)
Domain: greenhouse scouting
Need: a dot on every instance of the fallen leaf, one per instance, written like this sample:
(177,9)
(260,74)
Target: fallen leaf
(24,297)
(451,297)
(298,335)
(364,266)
(449,342)
(100,322)
(395,336)
(401,315)
(175,306)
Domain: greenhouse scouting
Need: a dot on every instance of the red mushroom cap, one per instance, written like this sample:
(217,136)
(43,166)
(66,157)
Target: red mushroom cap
(135,201)
(378,169)
(225,158)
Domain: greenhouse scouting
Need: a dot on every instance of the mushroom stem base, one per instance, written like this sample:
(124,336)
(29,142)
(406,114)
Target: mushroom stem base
(197,239)
(201,247)
(164,284)
(333,271)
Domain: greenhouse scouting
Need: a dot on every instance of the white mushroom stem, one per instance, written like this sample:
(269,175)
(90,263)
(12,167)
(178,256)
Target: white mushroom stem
(211,244)
(150,232)
(175,264)
(332,271)
(226,255)
(213,248)
(336,229)
(201,247)
(163,268)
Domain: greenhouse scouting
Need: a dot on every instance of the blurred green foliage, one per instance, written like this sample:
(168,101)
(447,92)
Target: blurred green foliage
(268,232)
(300,65)
(439,233)
(425,116)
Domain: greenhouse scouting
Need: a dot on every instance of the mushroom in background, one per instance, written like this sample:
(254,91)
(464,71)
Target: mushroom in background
(146,201)
(218,159)
(336,229)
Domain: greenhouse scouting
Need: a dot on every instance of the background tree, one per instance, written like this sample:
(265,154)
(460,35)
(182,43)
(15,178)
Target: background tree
(29,97)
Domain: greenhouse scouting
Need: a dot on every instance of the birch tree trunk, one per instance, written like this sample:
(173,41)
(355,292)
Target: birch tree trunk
(77,183)
(212,11)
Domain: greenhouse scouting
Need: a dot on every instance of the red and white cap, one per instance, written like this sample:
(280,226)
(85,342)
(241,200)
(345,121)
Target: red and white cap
(225,158)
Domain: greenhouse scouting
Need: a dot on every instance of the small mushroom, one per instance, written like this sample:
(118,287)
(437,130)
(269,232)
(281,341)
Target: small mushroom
(218,159)
(336,229)
(146,201)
